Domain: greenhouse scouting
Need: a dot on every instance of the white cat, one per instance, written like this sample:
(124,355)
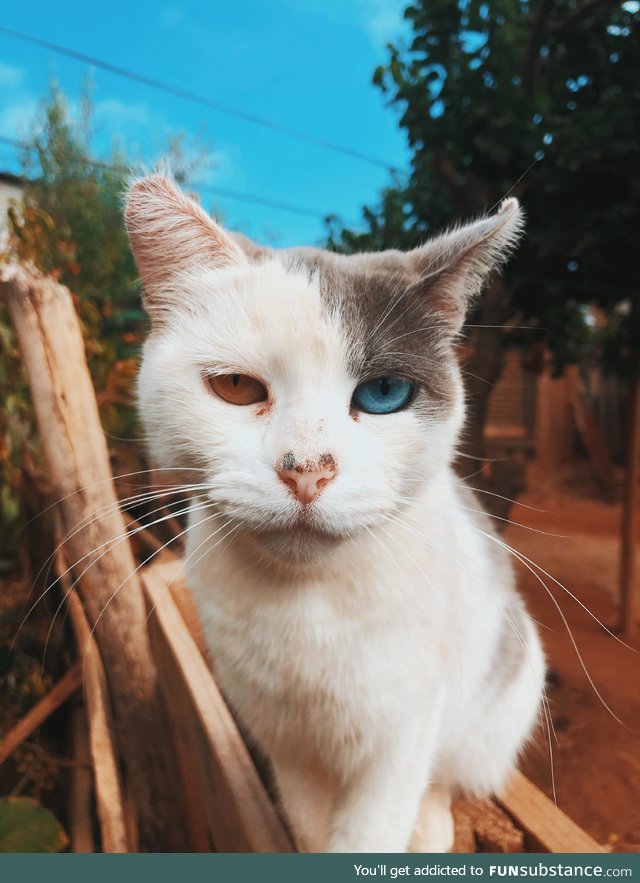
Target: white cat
(361,614)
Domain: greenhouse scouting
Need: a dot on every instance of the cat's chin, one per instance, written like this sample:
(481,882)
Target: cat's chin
(299,544)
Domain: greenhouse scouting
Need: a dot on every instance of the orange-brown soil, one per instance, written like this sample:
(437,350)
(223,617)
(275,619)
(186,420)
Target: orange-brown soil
(596,757)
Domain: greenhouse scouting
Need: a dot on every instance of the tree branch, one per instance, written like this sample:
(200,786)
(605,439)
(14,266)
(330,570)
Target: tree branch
(581,12)
(537,37)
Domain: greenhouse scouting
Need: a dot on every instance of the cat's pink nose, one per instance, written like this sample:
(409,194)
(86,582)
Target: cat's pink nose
(307,484)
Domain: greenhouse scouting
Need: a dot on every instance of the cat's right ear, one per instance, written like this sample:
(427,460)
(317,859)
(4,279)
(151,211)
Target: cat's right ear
(169,234)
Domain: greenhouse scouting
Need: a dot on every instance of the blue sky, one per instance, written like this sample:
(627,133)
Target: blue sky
(306,64)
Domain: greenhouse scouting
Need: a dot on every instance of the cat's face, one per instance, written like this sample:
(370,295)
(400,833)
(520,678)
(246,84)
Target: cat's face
(313,393)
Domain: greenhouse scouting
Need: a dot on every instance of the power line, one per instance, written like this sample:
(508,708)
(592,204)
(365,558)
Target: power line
(224,192)
(195,98)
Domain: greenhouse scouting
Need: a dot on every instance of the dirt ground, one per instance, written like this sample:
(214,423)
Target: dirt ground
(596,751)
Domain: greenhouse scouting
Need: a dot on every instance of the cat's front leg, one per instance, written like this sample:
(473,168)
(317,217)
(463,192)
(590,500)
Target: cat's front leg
(306,793)
(434,830)
(378,806)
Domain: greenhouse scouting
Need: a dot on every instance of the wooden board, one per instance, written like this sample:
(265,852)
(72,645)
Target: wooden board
(240,816)
(546,828)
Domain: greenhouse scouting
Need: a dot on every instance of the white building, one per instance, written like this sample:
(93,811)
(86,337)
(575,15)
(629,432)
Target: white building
(10,189)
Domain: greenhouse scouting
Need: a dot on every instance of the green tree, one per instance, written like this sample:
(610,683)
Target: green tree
(540,99)
(69,224)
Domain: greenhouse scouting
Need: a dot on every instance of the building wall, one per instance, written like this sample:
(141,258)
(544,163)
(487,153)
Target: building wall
(10,189)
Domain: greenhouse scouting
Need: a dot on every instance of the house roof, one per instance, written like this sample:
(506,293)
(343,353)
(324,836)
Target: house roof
(10,178)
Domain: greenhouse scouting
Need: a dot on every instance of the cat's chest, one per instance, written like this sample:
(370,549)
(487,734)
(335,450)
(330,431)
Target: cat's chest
(310,644)
(289,669)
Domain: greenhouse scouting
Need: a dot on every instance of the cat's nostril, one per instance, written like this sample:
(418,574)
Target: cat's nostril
(307,484)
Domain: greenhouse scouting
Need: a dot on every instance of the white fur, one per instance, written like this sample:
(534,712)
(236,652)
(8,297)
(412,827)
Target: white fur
(362,662)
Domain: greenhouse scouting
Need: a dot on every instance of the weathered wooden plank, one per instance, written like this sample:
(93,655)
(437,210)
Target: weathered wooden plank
(106,775)
(81,785)
(240,816)
(546,828)
(45,707)
(492,829)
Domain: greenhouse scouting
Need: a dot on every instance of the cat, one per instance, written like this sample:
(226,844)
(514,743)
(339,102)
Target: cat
(360,612)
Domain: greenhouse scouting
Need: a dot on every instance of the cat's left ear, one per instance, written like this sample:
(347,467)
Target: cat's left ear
(453,267)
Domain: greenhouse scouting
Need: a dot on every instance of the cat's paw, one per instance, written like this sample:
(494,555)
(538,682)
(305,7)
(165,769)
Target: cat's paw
(434,830)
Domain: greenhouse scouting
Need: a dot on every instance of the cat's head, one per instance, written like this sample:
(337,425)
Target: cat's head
(312,392)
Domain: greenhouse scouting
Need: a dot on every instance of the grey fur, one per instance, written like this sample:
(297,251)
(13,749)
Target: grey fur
(401,311)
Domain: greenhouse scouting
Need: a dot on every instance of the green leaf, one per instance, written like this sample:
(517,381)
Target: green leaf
(25,826)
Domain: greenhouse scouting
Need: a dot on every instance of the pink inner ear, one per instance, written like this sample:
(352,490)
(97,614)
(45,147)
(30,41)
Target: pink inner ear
(169,232)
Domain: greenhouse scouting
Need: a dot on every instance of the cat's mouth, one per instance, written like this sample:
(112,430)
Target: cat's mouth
(300,541)
(305,529)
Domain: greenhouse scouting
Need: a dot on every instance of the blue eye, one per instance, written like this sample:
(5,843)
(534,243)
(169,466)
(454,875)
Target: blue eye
(382,395)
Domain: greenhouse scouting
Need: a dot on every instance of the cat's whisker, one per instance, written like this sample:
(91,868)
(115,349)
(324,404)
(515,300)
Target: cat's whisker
(491,208)
(530,565)
(106,547)
(392,301)
(173,470)
(84,524)
(60,545)
(478,490)
(486,460)
(421,277)
(432,361)
(112,479)
(183,564)
(425,274)
(143,563)
(415,593)
(525,561)
(123,503)
(465,325)
(394,560)
(456,561)
(545,700)
(419,330)
(409,502)
(84,488)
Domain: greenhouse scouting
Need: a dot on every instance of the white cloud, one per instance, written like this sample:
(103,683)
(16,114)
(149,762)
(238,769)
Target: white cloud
(172,16)
(112,112)
(136,130)
(10,75)
(143,135)
(17,118)
(382,19)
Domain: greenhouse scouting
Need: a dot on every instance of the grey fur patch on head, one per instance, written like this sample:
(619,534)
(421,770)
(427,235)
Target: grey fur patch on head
(401,311)
(389,331)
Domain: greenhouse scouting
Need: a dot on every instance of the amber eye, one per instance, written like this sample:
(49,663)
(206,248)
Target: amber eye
(238,389)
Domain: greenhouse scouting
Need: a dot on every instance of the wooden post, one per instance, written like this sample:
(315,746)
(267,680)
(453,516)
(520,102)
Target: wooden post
(553,434)
(78,462)
(630,514)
